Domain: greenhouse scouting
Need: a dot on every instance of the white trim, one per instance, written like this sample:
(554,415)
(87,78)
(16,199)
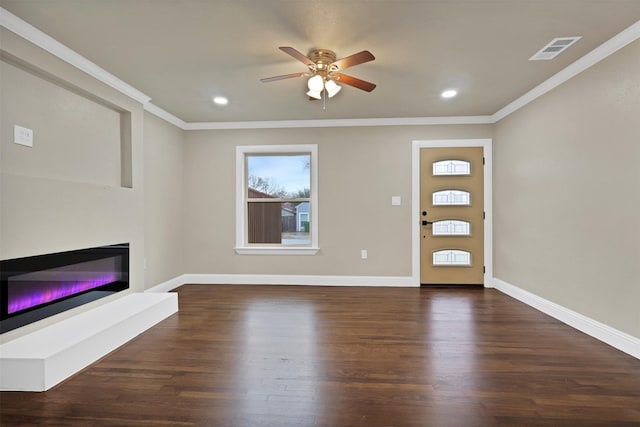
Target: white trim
(399,121)
(167,286)
(486,144)
(288,250)
(28,32)
(615,338)
(165,115)
(305,280)
(596,55)
(241,212)
(283,279)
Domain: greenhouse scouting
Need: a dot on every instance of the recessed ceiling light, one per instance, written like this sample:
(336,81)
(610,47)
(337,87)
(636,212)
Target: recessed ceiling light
(220,100)
(450,93)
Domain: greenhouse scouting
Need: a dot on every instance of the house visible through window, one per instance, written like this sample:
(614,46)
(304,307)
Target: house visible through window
(276,204)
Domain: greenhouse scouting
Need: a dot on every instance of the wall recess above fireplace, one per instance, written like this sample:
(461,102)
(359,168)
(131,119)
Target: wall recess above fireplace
(37,287)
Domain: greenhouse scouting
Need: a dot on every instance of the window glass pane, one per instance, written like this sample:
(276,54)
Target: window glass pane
(451,257)
(279,223)
(281,176)
(451,197)
(299,234)
(451,228)
(452,167)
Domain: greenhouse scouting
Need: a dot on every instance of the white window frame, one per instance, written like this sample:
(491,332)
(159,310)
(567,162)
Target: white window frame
(242,246)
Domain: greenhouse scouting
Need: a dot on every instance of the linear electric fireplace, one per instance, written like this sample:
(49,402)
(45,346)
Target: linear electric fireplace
(37,287)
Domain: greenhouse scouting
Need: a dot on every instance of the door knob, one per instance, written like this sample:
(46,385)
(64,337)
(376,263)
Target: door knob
(424,222)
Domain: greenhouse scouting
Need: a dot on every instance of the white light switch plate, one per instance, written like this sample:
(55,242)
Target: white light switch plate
(395,200)
(22,136)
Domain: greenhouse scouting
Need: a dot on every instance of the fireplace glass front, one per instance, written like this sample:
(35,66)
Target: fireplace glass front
(37,287)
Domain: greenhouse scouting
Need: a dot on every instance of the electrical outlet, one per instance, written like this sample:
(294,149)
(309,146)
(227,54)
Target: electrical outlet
(363,254)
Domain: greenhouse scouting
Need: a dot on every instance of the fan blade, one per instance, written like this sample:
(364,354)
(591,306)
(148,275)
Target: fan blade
(282,77)
(355,59)
(299,56)
(352,81)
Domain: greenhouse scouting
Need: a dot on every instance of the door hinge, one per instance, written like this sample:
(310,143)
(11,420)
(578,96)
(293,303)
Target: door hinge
(484,269)
(483,160)
(484,215)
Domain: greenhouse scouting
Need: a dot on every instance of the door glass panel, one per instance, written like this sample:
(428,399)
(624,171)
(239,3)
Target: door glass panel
(451,227)
(451,257)
(451,197)
(451,167)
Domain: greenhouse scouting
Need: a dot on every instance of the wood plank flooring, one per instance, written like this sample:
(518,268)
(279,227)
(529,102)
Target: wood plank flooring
(286,356)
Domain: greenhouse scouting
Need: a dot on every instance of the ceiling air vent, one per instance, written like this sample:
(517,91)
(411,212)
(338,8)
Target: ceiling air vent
(553,48)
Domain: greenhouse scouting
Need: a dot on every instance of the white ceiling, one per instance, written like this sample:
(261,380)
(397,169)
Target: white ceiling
(181,53)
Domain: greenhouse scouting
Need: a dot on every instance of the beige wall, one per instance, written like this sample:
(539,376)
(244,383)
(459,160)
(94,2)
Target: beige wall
(359,168)
(566,194)
(163,226)
(65,193)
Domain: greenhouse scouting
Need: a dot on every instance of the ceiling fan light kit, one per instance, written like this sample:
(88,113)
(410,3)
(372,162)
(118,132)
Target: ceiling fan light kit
(324,71)
(315,85)
(332,88)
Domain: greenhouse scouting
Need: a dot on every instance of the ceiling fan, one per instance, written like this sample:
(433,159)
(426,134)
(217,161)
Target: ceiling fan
(325,71)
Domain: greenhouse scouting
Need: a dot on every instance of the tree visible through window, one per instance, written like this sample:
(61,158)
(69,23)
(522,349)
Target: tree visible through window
(278,196)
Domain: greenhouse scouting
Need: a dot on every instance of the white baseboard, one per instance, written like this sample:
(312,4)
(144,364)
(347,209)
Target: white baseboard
(268,279)
(274,279)
(615,338)
(169,285)
(43,358)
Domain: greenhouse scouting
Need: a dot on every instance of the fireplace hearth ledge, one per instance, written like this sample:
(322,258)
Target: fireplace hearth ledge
(44,358)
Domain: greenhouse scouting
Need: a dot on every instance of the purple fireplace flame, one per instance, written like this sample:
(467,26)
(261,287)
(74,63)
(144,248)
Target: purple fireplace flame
(41,287)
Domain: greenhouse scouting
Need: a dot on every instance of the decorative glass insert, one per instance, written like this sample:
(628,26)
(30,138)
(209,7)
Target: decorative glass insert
(451,227)
(451,198)
(452,257)
(451,167)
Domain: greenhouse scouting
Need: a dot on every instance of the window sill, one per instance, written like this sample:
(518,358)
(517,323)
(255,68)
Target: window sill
(276,251)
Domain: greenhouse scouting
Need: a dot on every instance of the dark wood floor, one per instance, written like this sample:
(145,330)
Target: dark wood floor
(320,356)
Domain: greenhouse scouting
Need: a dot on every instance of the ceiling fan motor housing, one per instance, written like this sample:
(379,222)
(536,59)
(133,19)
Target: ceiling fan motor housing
(323,58)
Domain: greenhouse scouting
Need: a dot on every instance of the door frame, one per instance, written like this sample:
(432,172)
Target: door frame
(416,145)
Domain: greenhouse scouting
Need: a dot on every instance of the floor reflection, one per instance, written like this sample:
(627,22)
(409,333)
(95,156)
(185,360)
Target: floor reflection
(451,362)
(279,365)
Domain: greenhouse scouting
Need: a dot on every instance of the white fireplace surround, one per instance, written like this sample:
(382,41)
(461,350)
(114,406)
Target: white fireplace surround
(46,357)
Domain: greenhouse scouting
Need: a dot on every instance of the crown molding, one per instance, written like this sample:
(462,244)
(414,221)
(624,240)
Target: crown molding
(49,44)
(165,115)
(28,32)
(607,48)
(393,121)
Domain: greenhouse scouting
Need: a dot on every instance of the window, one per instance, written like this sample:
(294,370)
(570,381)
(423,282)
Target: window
(451,167)
(452,257)
(276,200)
(451,227)
(451,198)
